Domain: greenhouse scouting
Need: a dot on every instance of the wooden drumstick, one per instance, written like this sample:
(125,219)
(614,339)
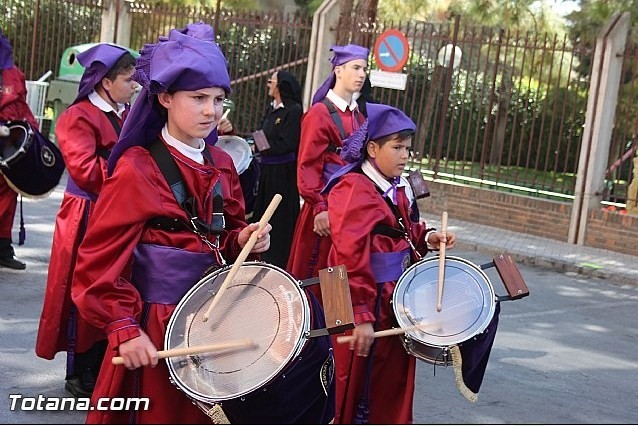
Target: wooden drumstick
(244,253)
(225,114)
(194,350)
(441,262)
(382,333)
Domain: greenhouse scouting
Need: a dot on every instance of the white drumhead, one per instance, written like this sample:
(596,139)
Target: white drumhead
(238,149)
(262,303)
(468,301)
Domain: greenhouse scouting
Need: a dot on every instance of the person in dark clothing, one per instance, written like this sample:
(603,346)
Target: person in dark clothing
(278,164)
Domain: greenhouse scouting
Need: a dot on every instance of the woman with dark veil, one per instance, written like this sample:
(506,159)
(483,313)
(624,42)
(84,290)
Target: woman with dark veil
(282,128)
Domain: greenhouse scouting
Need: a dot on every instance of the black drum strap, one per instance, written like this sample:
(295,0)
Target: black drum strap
(112,116)
(167,166)
(336,119)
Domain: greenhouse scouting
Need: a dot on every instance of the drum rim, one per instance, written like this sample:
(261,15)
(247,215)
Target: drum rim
(246,159)
(25,146)
(403,321)
(296,350)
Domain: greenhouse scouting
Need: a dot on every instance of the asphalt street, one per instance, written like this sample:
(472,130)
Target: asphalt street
(564,355)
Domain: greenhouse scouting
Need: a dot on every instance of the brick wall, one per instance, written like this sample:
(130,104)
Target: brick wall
(535,216)
(612,231)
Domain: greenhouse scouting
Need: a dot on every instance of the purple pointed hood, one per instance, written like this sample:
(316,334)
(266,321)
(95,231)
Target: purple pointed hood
(382,121)
(97,62)
(188,59)
(342,54)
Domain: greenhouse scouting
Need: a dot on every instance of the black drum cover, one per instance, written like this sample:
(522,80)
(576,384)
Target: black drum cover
(31,163)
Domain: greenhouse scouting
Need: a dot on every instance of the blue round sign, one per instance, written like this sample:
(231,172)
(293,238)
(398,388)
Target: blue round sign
(391,50)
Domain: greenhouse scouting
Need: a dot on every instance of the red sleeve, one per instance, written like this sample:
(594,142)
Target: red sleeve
(77,134)
(317,131)
(104,298)
(13,102)
(354,211)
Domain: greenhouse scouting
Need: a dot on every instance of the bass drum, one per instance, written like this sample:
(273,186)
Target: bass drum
(30,162)
(468,305)
(266,383)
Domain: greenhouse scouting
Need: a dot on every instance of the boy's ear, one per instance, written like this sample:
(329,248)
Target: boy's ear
(372,149)
(164,99)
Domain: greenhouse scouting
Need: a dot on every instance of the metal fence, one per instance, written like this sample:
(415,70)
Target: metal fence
(255,43)
(508,113)
(625,136)
(40,30)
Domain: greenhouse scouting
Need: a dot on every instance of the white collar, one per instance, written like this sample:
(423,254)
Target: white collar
(99,102)
(194,154)
(276,105)
(341,103)
(382,182)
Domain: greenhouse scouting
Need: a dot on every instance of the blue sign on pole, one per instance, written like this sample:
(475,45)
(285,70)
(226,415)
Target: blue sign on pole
(391,50)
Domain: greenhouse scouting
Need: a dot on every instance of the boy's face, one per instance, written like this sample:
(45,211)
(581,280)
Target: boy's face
(193,114)
(122,88)
(391,157)
(351,75)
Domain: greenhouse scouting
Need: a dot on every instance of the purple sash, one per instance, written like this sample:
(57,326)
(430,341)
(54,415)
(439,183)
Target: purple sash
(389,266)
(329,169)
(164,274)
(73,189)
(277,159)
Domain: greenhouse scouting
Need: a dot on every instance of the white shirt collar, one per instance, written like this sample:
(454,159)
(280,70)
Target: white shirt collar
(382,182)
(341,103)
(99,102)
(194,154)
(276,105)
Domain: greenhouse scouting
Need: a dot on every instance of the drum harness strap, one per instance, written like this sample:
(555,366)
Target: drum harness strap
(111,116)
(337,121)
(392,232)
(167,166)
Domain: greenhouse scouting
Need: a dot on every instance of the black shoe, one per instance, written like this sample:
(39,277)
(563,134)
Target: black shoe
(81,386)
(12,262)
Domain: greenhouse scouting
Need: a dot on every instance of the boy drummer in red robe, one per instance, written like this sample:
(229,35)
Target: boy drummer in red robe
(140,223)
(367,198)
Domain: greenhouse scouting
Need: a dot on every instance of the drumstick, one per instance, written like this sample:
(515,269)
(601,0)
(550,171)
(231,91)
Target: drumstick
(225,114)
(244,253)
(441,262)
(383,333)
(193,350)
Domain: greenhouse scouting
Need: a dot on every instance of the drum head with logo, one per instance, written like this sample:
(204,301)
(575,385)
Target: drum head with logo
(467,306)
(262,303)
(238,149)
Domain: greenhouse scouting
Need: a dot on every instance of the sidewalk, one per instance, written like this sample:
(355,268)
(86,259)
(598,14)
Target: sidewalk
(531,250)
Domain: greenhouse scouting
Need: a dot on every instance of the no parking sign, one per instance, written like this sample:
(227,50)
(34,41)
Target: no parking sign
(391,50)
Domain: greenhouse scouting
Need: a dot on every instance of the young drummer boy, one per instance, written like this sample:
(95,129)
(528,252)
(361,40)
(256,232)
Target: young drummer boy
(365,199)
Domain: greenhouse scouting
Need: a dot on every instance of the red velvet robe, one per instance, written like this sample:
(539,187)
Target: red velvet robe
(355,208)
(135,193)
(80,131)
(309,251)
(13,106)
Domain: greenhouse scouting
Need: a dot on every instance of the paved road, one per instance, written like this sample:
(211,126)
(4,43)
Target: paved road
(566,354)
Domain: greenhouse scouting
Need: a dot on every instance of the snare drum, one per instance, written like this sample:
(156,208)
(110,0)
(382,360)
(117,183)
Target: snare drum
(268,383)
(468,305)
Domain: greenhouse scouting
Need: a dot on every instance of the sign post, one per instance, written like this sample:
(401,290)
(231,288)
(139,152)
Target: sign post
(391,52)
